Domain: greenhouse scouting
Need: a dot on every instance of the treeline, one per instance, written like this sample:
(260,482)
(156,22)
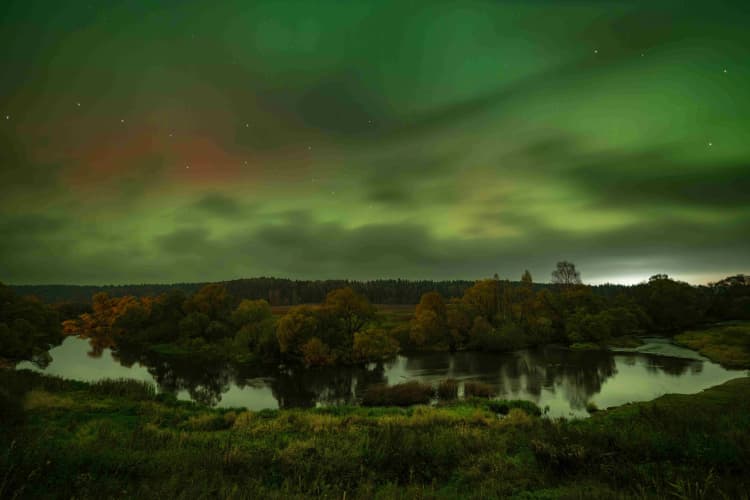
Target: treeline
(491,315)
(277,291)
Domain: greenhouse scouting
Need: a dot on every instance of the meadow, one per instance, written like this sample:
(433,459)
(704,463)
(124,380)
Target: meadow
(110,439)
(726,343)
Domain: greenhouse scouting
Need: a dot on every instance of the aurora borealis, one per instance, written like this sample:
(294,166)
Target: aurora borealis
(162,141)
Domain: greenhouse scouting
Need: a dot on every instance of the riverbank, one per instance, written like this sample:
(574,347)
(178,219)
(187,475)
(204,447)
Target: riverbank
(726,343)
(122,440)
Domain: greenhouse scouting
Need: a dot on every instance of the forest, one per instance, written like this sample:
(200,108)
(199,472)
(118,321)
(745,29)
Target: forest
(346,328)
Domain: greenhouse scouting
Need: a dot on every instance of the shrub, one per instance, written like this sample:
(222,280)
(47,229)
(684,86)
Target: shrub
(478,389)
(448,389)
(406,394)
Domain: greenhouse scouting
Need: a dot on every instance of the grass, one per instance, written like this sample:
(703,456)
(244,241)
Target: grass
(81,441)
(728,344)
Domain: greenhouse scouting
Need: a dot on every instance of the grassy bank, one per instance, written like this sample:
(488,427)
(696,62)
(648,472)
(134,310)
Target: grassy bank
(71,439)
(728,343)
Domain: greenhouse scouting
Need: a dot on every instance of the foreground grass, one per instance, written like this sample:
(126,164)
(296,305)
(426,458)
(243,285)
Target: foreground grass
(728,344)
(121,439)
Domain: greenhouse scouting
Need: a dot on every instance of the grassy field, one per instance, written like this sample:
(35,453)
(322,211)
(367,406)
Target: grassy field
(726,343)
(120,439)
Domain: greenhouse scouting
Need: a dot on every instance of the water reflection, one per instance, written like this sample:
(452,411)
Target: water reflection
(558,378)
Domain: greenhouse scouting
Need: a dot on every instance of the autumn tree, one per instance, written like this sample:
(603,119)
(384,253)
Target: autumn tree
(429,328)
(374,344)
(566,274)
(212,300)
(295,328)
(351,310)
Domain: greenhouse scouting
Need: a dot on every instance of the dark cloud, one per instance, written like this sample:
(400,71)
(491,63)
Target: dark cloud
(220,205)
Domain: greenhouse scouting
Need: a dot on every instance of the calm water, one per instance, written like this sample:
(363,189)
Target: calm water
(561,379)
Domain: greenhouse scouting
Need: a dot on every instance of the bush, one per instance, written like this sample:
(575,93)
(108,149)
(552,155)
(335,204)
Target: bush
(478,389)
(406,394)
(448,389)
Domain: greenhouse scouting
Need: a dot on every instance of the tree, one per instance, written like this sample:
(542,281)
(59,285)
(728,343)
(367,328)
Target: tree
(429,328)
(212,300)
(566,274)
(526,280)
(256,329)
(351,309)
(315,352)
(374,344)
(482,299)
(671,305)
(295,328)
(28,328)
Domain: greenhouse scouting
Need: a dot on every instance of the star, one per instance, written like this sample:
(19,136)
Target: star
(710,144)
(247,125)
(122,121)
(187,166)
(725,70)
(596,51)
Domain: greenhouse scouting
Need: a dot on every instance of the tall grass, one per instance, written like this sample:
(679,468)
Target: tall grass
(125,388)
(447,390)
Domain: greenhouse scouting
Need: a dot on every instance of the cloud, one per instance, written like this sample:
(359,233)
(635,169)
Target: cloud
(219,204)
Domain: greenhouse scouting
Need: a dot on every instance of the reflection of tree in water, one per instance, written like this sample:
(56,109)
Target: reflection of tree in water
(304,387)
(672,366)
(205,380)
(578,375)
(98,342)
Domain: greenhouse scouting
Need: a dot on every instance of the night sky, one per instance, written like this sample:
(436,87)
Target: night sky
(162,141)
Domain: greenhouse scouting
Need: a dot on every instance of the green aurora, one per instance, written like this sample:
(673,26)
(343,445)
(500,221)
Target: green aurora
(161,141)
